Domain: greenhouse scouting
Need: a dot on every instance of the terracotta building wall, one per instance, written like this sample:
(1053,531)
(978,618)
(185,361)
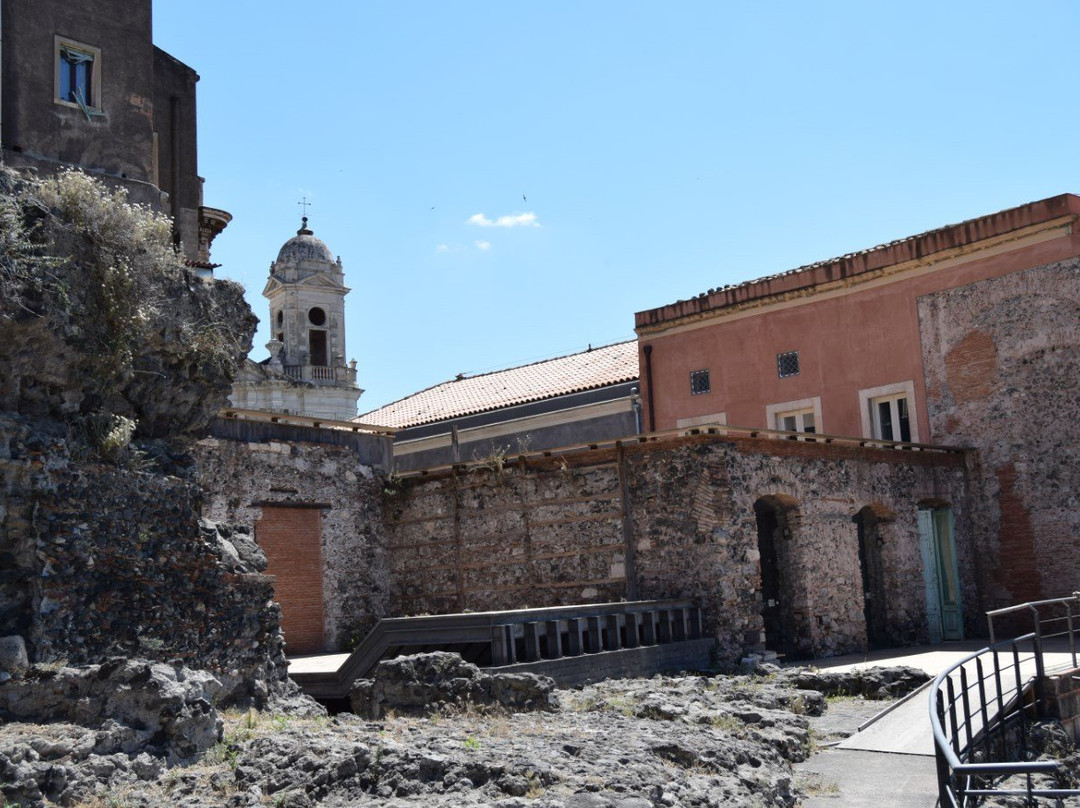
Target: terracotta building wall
(1002,361)
(850,337)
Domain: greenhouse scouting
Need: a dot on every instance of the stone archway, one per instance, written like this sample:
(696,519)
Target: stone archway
(776,516)
(875,604)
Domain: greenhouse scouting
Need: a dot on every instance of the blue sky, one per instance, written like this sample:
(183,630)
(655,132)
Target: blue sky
(507,182)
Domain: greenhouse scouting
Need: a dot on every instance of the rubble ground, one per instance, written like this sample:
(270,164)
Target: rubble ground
(674,741)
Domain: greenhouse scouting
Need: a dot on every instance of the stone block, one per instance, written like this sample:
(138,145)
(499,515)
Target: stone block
(13,658)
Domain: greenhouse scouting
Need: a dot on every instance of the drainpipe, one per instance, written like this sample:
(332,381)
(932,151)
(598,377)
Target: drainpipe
(174,148)
(2,81)
(649,388)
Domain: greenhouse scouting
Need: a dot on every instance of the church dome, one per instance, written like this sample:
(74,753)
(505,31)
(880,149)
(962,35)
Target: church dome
(304,247)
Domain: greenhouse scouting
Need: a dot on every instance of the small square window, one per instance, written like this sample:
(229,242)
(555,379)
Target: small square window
(787,364)
(699,382)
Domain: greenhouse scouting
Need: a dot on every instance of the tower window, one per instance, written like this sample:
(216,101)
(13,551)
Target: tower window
(78,75)
(316,316)
(280,319)
(317,347)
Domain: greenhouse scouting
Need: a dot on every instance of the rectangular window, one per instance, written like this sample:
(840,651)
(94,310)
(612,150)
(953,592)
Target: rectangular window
(796,421)
(317,347)
(888,412)
(787,364)
(890,418)
(78,75)
(699,382)
(795,416)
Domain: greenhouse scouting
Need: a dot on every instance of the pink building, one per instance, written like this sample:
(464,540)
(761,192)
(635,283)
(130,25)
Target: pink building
(965,335)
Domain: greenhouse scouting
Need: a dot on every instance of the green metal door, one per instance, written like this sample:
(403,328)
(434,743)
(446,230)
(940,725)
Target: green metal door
(940,574)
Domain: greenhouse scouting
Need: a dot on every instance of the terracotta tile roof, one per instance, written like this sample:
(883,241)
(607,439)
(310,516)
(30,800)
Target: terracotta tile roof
(865,261)
(597,367)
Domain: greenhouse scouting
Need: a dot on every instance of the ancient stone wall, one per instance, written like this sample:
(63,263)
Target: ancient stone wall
(98,561)
(496,538)
(677,520)
(1002,360)
(242,478)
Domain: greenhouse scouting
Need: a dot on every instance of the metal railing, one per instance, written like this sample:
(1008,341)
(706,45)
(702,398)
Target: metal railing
(322,374)
(982,707)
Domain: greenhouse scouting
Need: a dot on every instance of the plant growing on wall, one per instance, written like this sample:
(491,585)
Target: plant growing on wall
(99,314)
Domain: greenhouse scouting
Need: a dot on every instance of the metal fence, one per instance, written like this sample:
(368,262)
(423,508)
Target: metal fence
(982,707)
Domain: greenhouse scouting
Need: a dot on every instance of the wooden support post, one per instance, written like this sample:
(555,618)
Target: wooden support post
(500,654)
(511,646)
(648,628)
(532,641)
(629,555)
(664,626)
(695,623)
(574,644)
(678,624)
(459,562)
(554,639)
(611,628)
(632,619)
(596,638)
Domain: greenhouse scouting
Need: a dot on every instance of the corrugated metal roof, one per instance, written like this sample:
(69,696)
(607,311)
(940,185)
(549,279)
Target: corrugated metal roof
(596,367)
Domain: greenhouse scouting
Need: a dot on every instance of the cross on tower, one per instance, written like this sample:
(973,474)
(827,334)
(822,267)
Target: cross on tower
(303,201)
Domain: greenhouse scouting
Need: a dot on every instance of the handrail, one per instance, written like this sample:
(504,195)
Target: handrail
(996,722)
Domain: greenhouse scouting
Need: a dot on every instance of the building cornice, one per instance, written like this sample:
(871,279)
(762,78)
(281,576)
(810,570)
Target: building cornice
(758,297)
(930,247)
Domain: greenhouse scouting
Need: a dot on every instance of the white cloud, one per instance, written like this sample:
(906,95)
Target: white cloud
(442,248)
(512,220)
(483,245)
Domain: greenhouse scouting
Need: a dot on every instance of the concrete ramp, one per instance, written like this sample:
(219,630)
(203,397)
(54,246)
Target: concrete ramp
(904,729)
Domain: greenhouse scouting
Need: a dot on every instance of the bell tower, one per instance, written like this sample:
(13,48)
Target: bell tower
(306,373)
(306,290)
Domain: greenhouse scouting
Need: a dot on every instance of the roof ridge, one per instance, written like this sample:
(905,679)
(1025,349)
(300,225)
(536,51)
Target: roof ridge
(494,372)
(590,349)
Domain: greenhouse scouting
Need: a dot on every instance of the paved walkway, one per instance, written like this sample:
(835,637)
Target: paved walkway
(318,663)
(889,763)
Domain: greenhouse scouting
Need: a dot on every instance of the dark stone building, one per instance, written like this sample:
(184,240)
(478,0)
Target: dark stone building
(83,86)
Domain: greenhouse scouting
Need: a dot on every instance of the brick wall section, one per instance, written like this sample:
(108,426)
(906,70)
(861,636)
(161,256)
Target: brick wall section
(240,478)
(556,532)
(291,539)
(1002,360)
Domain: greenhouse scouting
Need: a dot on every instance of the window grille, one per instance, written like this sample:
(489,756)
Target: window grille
(787,364)
(699,382)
